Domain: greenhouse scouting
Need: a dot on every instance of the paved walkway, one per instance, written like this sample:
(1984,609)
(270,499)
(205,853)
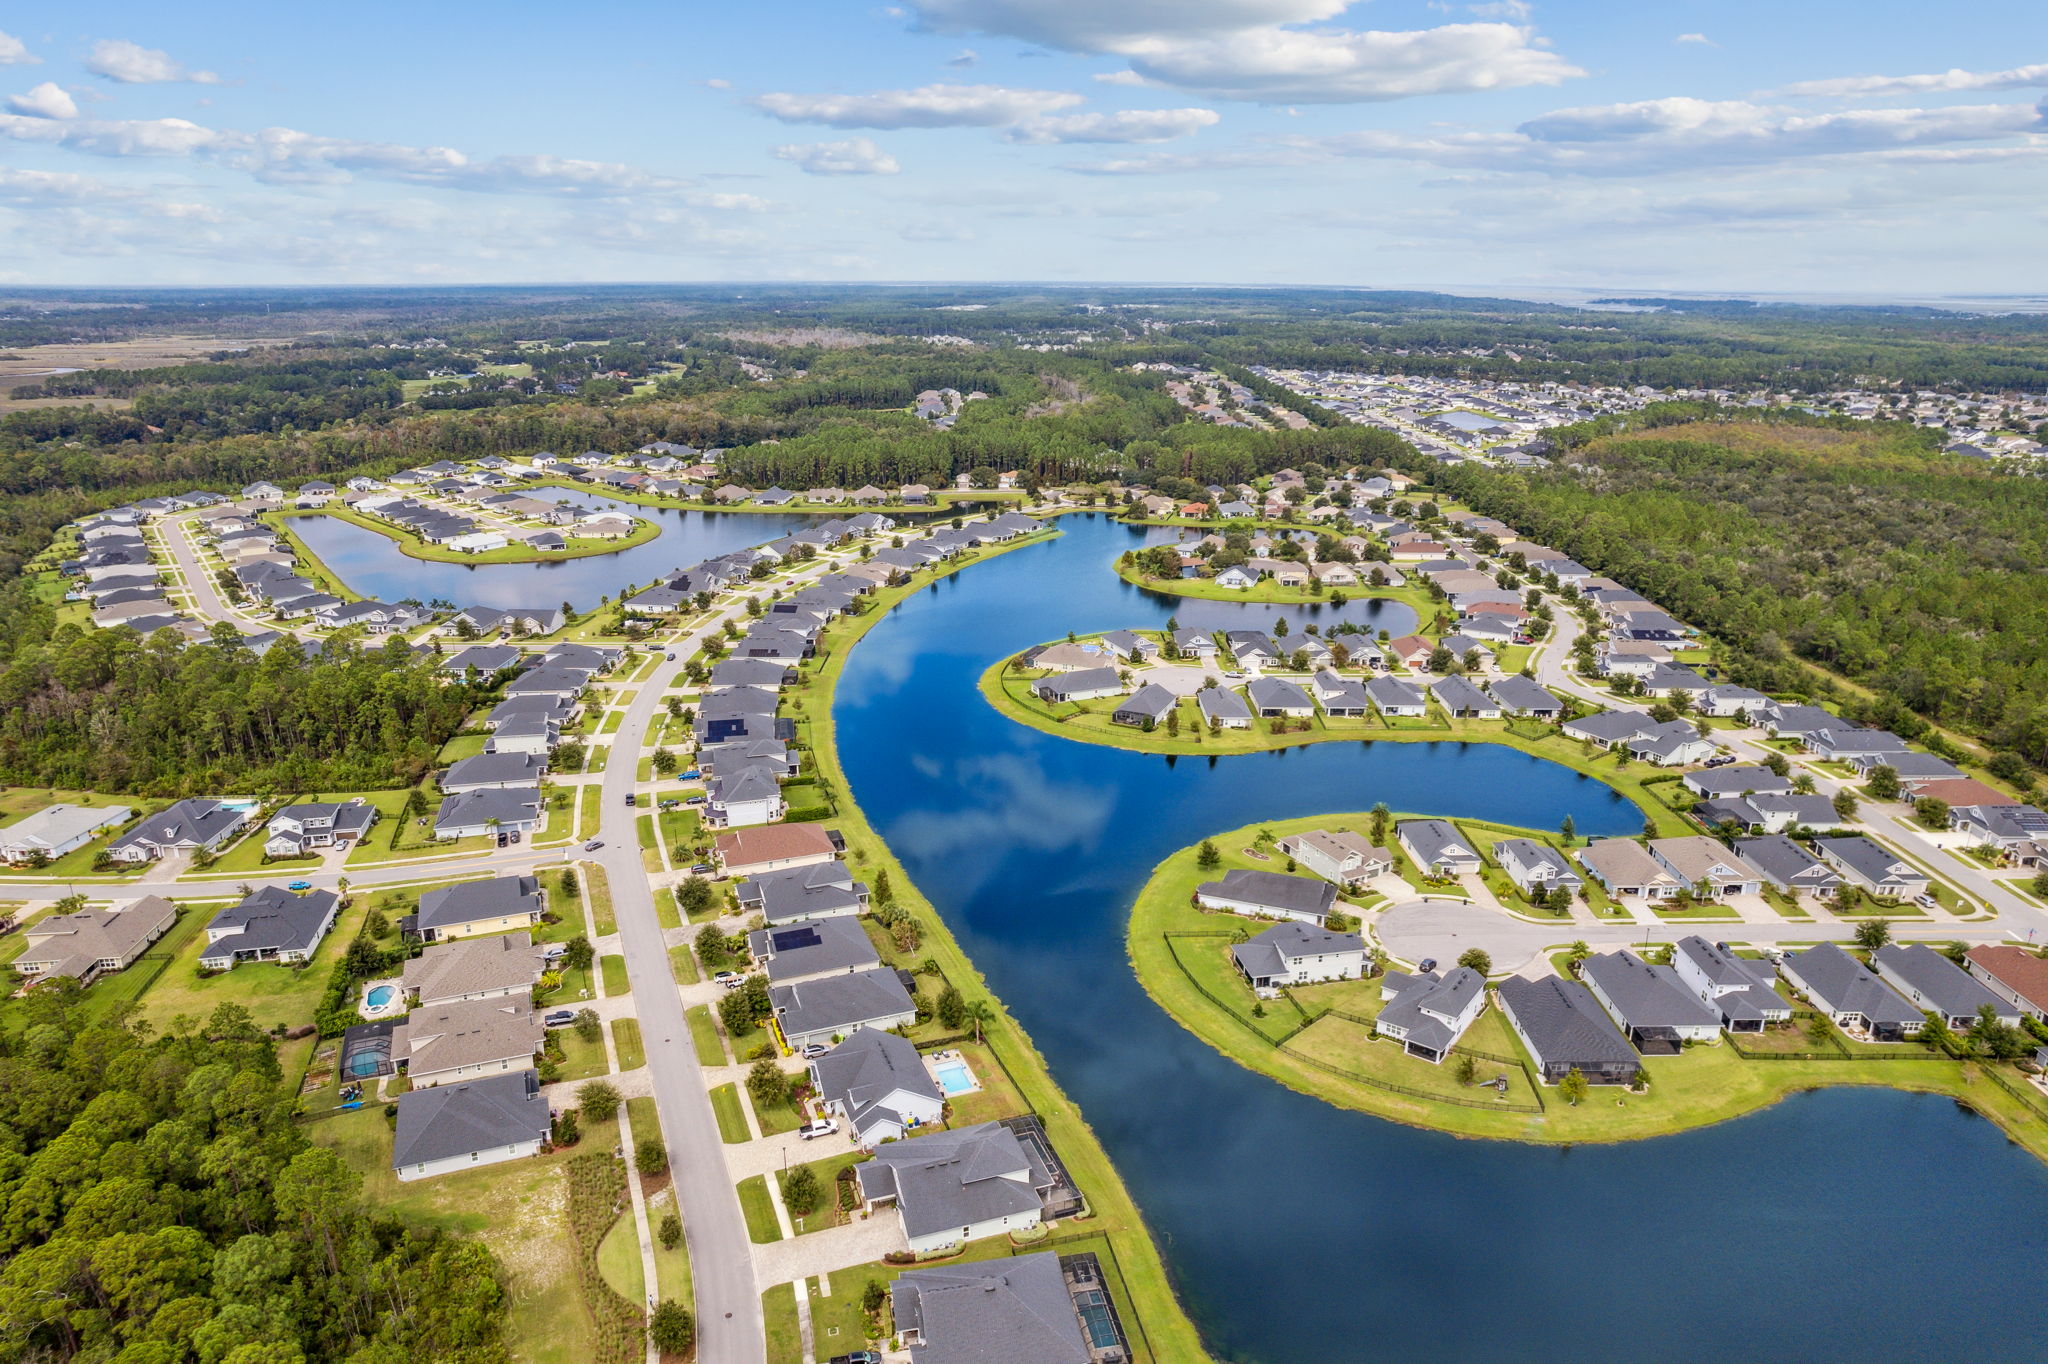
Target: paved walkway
(820,1252)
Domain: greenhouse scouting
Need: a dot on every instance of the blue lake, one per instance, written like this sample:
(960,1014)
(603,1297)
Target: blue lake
(371,564)
(1299,1233)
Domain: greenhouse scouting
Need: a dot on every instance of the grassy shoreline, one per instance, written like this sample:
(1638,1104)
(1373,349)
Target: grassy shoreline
(1112,1212)
(1000,690)
(1266,592)
(1301,1044)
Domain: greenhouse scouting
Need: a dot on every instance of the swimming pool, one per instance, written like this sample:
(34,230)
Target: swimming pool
(379,996)
(954,1077)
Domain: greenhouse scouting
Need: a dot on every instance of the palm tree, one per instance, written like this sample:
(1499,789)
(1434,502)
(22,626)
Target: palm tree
(1577,954)
(981,1011)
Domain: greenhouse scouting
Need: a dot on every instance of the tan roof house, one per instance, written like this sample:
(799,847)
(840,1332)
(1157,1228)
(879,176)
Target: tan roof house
(474,968)
(94,942)
(466,1040)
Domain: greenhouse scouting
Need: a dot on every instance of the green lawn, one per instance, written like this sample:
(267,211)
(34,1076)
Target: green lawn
(626,1040)
(618,1260)
(759,1210)
(682,961)
(826,1172)
(775,1119)
(704,1034)
(613,968)
(785,1335)
(581,1060)
(598,886)
(273,993)
(732,1123)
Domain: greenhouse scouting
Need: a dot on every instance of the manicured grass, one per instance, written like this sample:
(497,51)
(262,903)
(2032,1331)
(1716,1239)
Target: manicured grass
(589,810)
(273,993)
(618,1260)
(755,1204)
(613,968)
(413,547)
(460,746)
(785,1336)
(732,1123)
(998,1096)
(826,1171)
(704,1035)
(1268,592)
(775,1119)
(626,1040)
(682,961)
(1709,913)
(650,848)
(581,1060)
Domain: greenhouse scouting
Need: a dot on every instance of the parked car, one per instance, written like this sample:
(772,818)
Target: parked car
(1924,901)
(702,869)
(593,845)
(694,800)
(690,775)
(813,1051)
(670,804)
(632,799)
(300,885)
(731,980)
(559,1018)
(554,951)
(823,1127)
(858,1357)
(1721,761)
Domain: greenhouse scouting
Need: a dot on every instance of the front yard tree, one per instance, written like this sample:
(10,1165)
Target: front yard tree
(580,953)
(1872,934)
(1884,783)
(672,1328)
(671,1232)
(664,762)
(1208,858)
(800,1191)
(650,1157)
(1478,960)
(1931,811)
(696,895)
(598,1100)
(1573,1086)
(767,1085)
(589,1027)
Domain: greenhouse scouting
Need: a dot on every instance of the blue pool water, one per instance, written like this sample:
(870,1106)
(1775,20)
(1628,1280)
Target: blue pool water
(954,1077)
(379,996)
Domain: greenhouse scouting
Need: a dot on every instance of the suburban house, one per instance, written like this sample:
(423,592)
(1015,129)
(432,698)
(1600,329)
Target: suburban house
(1565,1029)
(483,814)
(58,829)
(1393,697)
(738,799)
(1675,743)
(1517,695)
(1148,706)
(1088,684)
(298,830)
(1437,847)
(961,1185)
(1340,696)
(1269,895)
(1788,866)
(1293,953)
(827,1008)
(1343,857)
(493,772)
(1428,1013)
(477,1122)
(773,847)
(474,968)
(1875,868)
(1018,1309)
(462,1040)
(819,890)
(877,1081)
(1536,867)
(1699,862)
(271,924)
(1606,728)
(1274,696)
(1742,991)
(90,943)
(1937,985)
(2014,974)
(1652,1006)
(832,946)
(468,908)
(188,826)
(1223,709)
(1847,991)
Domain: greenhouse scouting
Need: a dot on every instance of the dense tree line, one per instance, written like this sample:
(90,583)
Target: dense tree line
(108,710)
(1857,549)
(159,1205)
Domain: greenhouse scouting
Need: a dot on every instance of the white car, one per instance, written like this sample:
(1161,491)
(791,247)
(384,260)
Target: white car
(731,980)
(823,1127)
(1924,901)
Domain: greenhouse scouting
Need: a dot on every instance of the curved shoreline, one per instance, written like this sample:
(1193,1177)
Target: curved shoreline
(1166,1325)
(1550,747)
(1266,593)
(1698,1088)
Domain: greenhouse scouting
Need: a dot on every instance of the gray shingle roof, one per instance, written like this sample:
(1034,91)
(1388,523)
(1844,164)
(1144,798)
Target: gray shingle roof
(469,901)
(864,1071)
(1295,894)
(838,1004)
(1005,1312)
(813,947)
(476,1115)
(956,1179)
(1563,1023)
(1646,996)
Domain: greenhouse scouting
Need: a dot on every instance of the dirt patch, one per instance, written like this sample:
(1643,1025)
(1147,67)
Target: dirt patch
(825,338)
(1065,394)
(28,364)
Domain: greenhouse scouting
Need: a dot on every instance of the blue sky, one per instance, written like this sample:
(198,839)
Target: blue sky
(1816,146)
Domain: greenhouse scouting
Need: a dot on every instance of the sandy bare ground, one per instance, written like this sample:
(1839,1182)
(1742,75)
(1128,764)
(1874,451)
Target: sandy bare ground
(22,365)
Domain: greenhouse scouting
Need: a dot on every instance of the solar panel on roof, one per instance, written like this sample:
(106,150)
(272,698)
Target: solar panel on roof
(789,939)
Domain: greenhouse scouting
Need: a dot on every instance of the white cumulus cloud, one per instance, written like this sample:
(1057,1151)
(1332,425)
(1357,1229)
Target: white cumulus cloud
(854,156)
(929,106)
(1940,82)
(1697,39)
(47,100)
(14,52)
(1257,51)
(117,59)
(1130,125)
